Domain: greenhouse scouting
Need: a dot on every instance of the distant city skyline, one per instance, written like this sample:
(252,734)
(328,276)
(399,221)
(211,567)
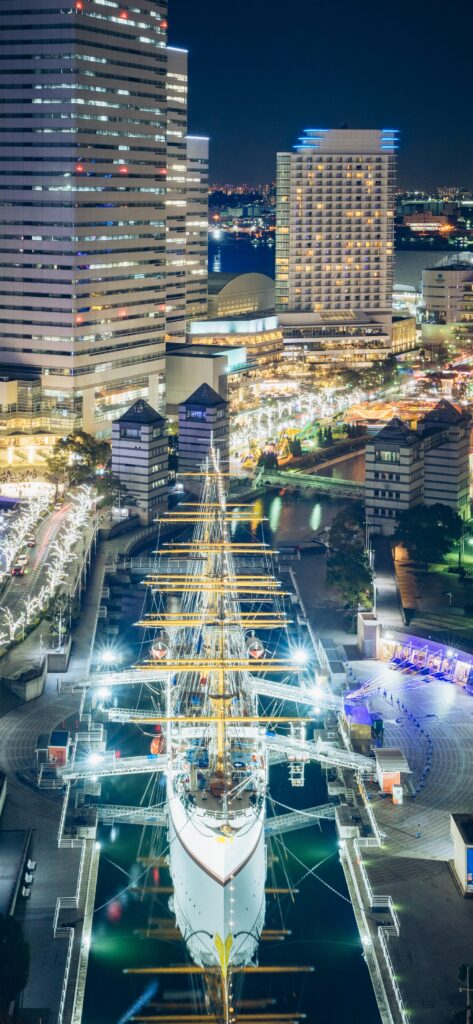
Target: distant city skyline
(258,78)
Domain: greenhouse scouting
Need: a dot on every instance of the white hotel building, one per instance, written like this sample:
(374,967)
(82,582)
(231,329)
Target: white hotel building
(334,241)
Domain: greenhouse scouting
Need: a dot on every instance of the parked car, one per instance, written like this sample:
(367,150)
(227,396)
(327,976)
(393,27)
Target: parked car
(31,542)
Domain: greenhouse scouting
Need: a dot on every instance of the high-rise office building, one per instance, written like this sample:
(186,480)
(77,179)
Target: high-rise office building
(335,224)
(197,226)
(187,201)
(176,195)
(82,193)
(93,158)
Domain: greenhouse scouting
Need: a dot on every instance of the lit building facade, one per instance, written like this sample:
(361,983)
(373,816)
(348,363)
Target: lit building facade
(93,195)
(83,203)
(447,298)
(335,227)
(197,224)
(176,193)
(321,341)
(404,334)
(259,338)
(203,417)
(406,467)
(140,458)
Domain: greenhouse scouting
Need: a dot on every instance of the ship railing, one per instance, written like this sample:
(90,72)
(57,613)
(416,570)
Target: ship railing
(67,967)
(370,954)
(394,983)
(227,815)
(378,836)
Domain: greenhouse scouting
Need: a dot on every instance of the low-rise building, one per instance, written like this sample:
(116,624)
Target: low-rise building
(189,366)
(404,335)
(233,295)
(406,467)
(349,338)
(140,457)
(447,298)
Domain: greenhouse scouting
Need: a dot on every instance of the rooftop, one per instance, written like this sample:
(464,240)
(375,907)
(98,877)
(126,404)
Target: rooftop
(59,738)
(391,759)
(219,281)
(397,432)
(464,823)
(140,412)
(205,396)
(444,413)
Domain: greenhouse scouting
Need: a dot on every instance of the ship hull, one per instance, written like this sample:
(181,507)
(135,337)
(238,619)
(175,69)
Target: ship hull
(219,883)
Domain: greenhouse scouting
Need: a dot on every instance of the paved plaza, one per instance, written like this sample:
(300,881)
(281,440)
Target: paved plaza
(432,722)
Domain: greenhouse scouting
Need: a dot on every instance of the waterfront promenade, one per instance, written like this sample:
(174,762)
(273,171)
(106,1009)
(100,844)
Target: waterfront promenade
(432,722)
(65,871)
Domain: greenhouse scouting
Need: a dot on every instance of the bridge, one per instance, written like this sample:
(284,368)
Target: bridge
(327,754)
(307,483)
(282,823)
(99,766)
(157,815)
(118,814)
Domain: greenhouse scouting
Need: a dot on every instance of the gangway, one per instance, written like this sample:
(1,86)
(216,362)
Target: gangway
(326,754)
(118,814)
(283,691)
(282,823)
(95,766)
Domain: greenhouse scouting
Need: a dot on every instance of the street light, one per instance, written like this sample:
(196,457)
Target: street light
(300,655)
(109,657)
(95,759)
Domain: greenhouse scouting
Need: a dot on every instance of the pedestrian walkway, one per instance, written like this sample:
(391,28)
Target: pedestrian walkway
(432,722)
(58,870)
(388,601)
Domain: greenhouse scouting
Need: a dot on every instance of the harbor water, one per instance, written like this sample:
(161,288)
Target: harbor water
(316,914)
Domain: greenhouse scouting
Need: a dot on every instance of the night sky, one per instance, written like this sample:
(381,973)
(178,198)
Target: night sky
(263,70)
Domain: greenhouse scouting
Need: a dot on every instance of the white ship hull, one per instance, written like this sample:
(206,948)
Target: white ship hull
(219,884)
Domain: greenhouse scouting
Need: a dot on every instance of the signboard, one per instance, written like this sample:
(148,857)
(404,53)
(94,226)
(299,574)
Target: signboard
(397,794)
(469,868)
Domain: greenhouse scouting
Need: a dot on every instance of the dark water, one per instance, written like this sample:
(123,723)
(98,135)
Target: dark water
(230,256)
(241,256)
(320,920)
(352,468)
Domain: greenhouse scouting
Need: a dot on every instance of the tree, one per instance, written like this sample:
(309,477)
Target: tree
(428,531)
(85,454)
(57,469)
(345,377)
(14,960)
(268,460)
(296,447)
(347,528)
(110,489)
(349,572)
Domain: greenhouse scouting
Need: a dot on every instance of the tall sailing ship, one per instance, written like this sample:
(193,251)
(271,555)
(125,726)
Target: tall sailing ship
(217,760)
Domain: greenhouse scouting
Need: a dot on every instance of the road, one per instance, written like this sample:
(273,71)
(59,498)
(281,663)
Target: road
(19,588)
